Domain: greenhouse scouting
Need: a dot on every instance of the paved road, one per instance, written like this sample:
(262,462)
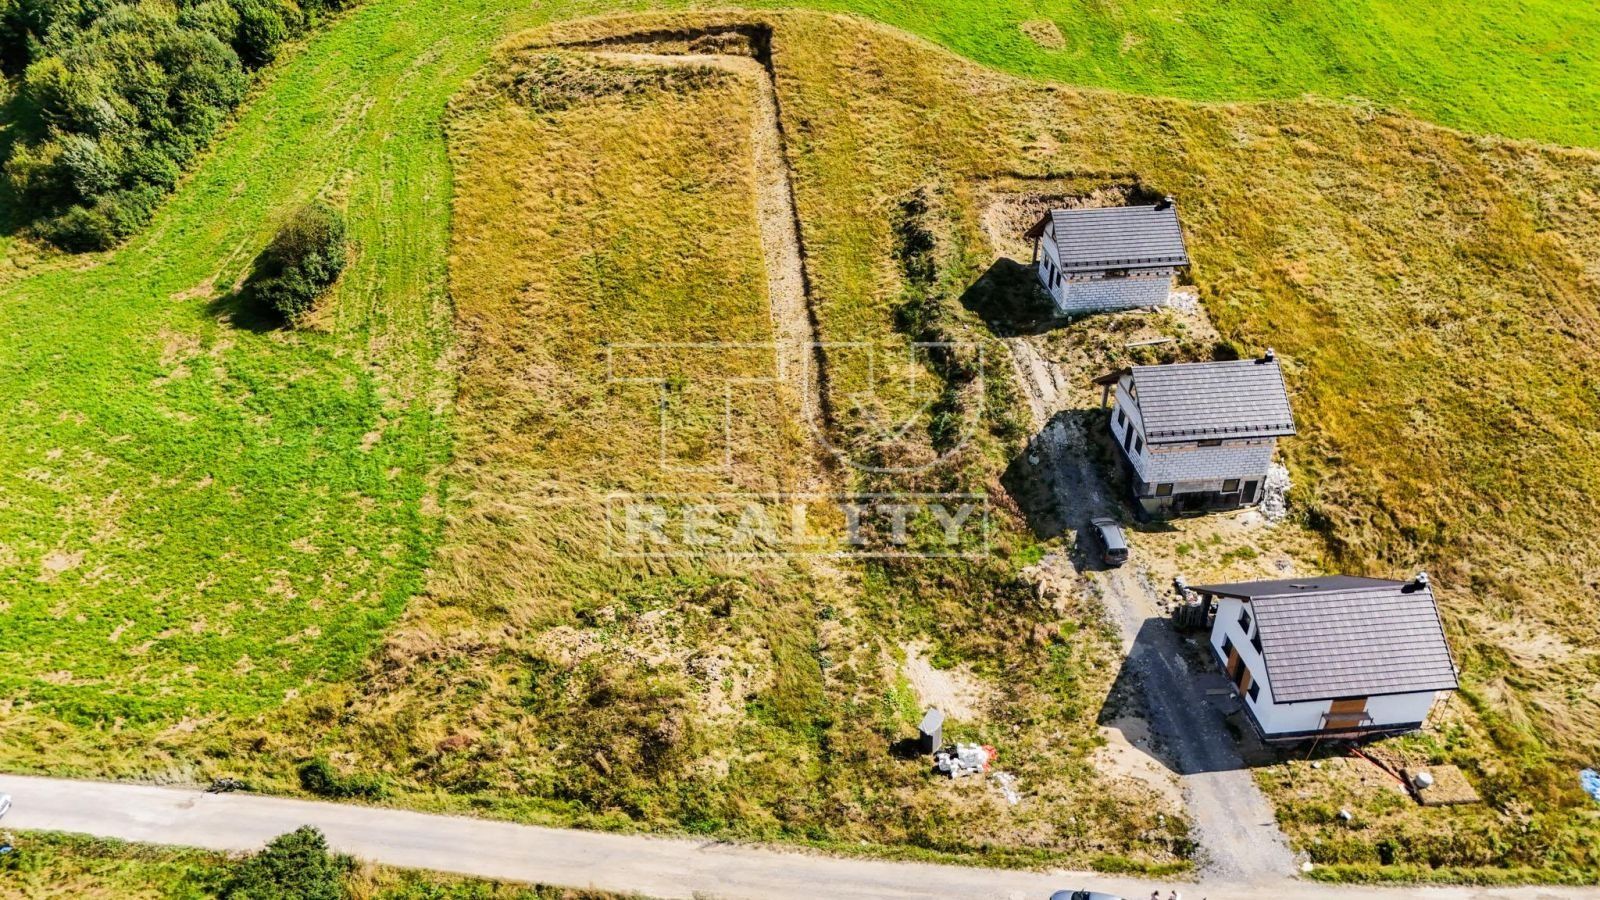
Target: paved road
(655,867)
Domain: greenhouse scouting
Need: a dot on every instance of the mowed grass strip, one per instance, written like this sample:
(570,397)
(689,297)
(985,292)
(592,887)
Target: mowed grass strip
(199,518)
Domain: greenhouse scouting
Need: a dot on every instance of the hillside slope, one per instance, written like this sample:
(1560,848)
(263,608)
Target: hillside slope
(1434,296)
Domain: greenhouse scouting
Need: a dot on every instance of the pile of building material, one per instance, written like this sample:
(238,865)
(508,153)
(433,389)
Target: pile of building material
(1007,783)
(1589,780)
(1275,494)
(1440,786)
(964,759)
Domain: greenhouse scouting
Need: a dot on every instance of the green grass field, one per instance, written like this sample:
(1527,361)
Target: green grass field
(1521,69)
(198,516)
(203,523)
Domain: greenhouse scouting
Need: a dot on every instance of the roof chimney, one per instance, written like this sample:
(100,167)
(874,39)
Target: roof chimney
(1165,202)
(1270,356)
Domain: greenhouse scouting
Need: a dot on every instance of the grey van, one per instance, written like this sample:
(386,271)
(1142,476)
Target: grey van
(1113,546)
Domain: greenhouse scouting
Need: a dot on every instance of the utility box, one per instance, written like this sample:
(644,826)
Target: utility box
(930,733)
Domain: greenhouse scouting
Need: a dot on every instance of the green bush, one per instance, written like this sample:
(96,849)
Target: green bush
(114,100)
(301,263)
(263,25)
(317,776)
(294,866)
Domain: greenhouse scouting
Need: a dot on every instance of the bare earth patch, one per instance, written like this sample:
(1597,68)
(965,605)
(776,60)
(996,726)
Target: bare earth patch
(956,691)
(1127,754)
(58,561)
(1045,33)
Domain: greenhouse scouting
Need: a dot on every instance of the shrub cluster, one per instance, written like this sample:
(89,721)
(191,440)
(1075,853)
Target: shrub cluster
(319,777)
(294,866)
(303,260)
(116,98)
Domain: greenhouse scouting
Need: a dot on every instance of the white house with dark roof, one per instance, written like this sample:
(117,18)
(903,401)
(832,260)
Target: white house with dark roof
(1331,656)
(1096,260)
(1198,436)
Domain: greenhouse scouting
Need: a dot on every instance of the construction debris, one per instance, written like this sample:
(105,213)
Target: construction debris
(1275,495)
(1440,786)
(964,759)
(1008,786)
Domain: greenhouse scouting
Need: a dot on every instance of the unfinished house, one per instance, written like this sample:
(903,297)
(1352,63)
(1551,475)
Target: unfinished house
(1097,260)
(1198,436)
(1336,656)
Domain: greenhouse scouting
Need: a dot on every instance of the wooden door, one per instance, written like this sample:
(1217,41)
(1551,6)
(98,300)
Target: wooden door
(1235,666)
(1347,712)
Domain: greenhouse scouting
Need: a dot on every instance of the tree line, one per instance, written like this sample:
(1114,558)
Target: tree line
(114,99)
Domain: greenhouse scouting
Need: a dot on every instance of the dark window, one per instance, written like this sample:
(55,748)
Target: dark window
(1214,442)
(1244,619)
(1255,640)
(1122,417)
(1138,445)
(1127,439)
(1227,648)
(1231,485)
(1164,490)
(1255,690)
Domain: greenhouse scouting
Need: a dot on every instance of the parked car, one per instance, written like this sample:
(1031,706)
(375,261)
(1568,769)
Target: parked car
(5,804)
(1083,895)
(1113,546)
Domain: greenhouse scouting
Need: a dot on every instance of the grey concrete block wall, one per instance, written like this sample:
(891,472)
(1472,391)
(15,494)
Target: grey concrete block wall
(1105,294)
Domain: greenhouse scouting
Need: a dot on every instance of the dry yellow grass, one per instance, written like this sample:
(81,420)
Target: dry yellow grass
(600,205)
